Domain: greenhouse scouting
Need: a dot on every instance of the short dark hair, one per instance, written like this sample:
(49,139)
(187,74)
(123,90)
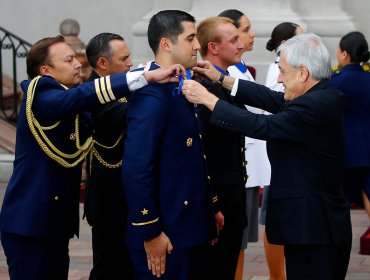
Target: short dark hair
(167,23)
(355,44)
(281,32)
(99,46)
(38,55)
(234,15)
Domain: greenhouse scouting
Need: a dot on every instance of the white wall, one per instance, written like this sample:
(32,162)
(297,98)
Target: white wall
(35,19)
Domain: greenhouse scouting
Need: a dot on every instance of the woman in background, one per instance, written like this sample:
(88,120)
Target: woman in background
(354,82)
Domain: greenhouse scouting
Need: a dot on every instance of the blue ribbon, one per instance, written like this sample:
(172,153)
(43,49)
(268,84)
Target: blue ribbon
(219,69)
(242,67)
(177,91)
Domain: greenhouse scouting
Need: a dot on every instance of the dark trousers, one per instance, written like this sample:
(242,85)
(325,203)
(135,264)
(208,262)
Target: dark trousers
(317,262)
(111,259)
(224,255)
(30,258)
(181,264)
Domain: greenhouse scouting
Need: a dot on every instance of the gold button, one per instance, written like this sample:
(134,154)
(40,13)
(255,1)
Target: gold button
(196,115)
(245,179)
(189,142)
(200,136)
(56,198)
(209,178)
(243,163)
(242,149)
(186,202)
(72,136)
(205,157)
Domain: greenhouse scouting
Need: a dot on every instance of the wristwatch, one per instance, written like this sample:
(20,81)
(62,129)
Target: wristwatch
(221,79)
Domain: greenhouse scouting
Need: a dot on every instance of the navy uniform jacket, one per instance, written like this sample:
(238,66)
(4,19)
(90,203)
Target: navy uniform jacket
(354,82)
(164,170)
(104,197)
(42,197)
(225,151)
(306,150)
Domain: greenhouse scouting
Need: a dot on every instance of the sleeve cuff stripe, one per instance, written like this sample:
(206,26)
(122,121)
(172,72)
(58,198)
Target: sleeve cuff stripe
(109,88)
(104,89)
(146,223)
(98,92)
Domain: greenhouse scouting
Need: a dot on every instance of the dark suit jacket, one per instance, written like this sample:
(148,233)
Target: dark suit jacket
(42,197)
(225,151)
(354,82)
(164,171)
(306,150)
(105,201)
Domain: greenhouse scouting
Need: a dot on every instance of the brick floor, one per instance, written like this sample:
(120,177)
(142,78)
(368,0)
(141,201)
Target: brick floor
(255,265)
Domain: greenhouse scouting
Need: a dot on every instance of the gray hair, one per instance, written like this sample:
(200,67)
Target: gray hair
(310,51)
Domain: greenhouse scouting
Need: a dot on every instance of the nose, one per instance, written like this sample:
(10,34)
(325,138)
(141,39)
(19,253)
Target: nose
(129,62)
(239,45)
(279,78)
(77,63)
(252,33)
(196,44)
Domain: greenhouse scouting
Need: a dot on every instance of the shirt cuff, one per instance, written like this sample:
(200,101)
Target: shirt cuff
(135,80)
(235,87)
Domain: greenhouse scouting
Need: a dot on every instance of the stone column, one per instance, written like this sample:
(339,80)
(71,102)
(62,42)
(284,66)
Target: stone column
(70,29)
(327,19)
(323,17)
(141,50)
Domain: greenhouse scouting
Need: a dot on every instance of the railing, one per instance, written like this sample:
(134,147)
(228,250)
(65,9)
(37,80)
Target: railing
(19,48)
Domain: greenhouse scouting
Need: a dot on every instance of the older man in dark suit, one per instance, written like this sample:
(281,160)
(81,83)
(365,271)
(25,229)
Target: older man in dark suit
(307,211)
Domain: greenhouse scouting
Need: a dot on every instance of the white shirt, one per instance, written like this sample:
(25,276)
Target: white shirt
(272,76)
(258,166)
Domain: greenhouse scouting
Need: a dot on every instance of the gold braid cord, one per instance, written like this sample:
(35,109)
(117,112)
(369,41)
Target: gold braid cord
(99,157)
(44,142)
(95,153)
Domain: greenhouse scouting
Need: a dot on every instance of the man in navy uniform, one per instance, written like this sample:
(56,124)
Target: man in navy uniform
(307,211)
(225,149)
(171,216)
(40,211)
(105,202)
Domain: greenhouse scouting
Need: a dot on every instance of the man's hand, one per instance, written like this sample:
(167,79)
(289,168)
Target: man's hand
(198,94)
(206,69)
(165,75)
(156,250)
(220,222)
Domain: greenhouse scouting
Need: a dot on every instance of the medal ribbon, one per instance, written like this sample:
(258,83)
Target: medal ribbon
(177,91)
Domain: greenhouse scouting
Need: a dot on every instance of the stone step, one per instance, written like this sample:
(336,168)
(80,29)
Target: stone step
(7,136)
(6,166)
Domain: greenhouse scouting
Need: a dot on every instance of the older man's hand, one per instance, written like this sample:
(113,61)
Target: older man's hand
(198,94)
(206,69)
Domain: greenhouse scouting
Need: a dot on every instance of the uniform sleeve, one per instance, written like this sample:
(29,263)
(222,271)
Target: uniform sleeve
(147,121)
(53,102)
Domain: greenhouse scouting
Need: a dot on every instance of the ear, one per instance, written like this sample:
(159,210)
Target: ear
(345,56)
(212,48)
(304,74)
(44,70)
(165,44)
(102,63)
